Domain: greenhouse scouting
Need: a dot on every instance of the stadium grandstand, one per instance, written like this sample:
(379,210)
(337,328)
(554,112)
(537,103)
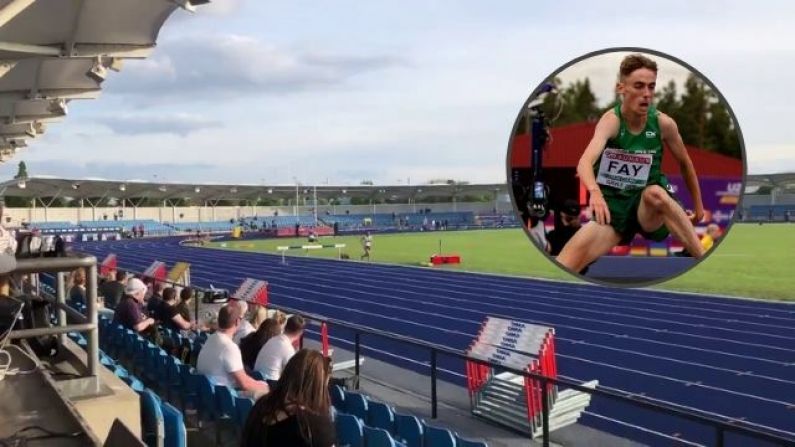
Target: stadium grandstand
(124,303)
(769,198)
(162,370)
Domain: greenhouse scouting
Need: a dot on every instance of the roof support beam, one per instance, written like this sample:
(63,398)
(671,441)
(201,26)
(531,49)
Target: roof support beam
(13,9)
(31,50)
(70,44)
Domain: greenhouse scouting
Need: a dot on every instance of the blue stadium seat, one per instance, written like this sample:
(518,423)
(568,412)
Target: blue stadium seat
(189,393)
(380,415)
(205,390)
(350,432)
(152,424)
(243,405)
(408,430)
(225,412)
(133,383)
(175,433)
(256,375)
(172,379)
(356,404)
(338,397)
(438,437)
(461,442)
(120,372)
(378,437)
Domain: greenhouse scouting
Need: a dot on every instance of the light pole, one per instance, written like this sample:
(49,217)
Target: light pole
(295,207)
(314,194)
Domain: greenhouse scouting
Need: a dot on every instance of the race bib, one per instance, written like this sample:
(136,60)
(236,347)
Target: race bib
(623,170)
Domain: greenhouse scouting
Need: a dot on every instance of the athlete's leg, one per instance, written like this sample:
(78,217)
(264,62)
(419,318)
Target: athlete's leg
(587,244)
(657,207)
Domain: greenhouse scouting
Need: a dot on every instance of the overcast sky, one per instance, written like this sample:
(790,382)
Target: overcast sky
(256,91)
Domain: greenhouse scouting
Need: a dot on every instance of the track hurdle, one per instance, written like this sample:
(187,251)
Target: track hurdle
(285,248)
(252,291)
(500,396)
(109,264)
(156,271)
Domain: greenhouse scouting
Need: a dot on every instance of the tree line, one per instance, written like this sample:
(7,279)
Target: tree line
(703,119)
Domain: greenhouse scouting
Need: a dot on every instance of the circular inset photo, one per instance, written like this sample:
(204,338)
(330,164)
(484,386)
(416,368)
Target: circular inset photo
(626,166)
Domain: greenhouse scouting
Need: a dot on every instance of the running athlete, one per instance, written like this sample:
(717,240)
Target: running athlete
(367,244)
(622,170)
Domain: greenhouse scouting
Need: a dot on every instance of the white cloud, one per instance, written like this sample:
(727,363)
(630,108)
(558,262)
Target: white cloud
(222,66)
(180,124)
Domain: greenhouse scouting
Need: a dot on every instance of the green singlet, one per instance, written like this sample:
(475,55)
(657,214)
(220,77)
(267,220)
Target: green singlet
(628,164)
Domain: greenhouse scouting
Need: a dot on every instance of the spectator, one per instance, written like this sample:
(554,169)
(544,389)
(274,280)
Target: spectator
(710,236)
(155,301)
(128,311)
(77,293)
(167,313)
(113,291)
(60,246)
(244,328)
(185,299)
(567,223)
(220,357)
(258,316)
(273,357)
(297,412)
(251,344)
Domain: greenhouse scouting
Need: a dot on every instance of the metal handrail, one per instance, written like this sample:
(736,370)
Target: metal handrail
(87,323)
(721,426)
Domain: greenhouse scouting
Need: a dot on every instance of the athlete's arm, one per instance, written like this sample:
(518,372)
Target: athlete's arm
(671,136)
(606,128)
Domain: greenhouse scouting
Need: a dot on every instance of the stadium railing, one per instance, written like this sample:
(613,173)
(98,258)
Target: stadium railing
(84,323)
(721,427)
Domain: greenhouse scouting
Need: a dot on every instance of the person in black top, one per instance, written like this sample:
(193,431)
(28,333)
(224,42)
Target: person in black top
(184,305)
(155,302)
(128,311)
(112,291)
(567,222)
(77,294)
(168,314)
(253,342)
(296,412)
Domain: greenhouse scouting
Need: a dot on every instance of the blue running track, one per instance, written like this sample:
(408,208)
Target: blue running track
(728,358)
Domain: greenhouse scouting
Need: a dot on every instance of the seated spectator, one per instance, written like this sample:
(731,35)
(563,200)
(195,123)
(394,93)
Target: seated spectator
(296,413)
(710,236)
(220,357)
(244,328)
(155,301)
(251,344)
(167,313)
(185,299)
(128,311)
(258,315)
(112,291)
(77,293)
(273,357)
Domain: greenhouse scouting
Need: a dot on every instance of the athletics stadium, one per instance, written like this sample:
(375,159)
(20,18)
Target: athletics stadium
(454,331)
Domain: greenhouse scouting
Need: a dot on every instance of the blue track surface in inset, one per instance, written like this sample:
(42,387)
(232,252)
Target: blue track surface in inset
(731,358)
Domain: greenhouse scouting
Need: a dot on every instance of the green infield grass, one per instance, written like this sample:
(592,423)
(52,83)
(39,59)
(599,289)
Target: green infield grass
(753,260)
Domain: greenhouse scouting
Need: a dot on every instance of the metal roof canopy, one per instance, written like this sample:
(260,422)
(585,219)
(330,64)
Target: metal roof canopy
(39,187)
(782,181)
(53,51)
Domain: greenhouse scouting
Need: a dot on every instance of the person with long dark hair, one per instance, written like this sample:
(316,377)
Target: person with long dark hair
(251,344)
(296,412)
